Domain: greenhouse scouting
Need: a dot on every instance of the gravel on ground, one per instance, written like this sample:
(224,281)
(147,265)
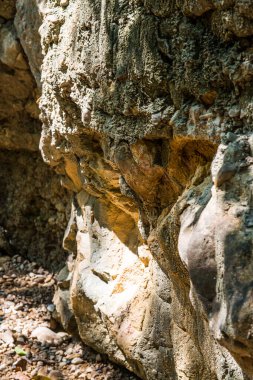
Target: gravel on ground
(26,292)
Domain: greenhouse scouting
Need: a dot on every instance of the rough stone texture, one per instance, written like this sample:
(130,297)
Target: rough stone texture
(147,117)
(7,9)
(33,206)
(27,22)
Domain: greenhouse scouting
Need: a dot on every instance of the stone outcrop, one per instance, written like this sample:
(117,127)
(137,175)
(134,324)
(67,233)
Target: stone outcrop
(33,206)
(147,119)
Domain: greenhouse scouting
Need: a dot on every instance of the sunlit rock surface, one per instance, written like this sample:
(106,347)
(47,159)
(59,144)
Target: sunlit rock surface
(147,119)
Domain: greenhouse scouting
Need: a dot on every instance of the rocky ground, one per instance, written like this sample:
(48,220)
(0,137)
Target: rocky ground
(32,345)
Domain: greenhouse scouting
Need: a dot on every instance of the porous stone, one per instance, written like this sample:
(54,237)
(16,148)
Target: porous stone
(146,118)
(143,104)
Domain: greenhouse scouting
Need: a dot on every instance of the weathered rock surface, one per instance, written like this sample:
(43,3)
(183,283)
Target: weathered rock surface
(33,206)
(147,118)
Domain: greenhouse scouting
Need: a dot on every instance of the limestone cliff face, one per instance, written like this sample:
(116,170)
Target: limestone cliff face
(147,118)
(33,206)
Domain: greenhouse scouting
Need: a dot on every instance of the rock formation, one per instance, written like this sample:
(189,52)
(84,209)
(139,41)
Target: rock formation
(146,109)
(33,205)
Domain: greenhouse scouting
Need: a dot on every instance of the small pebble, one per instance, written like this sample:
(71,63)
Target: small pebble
(50,308)
(20,340)
(64,3)
(77,361)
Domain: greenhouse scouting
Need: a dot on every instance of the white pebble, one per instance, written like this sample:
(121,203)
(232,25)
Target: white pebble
(77,361)
(50,308)
(64,3)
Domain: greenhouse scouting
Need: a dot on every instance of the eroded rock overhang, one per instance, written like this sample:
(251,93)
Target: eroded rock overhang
(147,117)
